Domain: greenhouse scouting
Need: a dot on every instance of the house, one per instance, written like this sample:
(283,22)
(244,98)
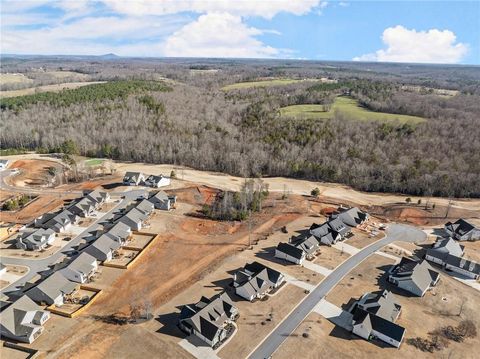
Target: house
(4,164)
(145,206)
(309,246)
(23,320)
(449,254)
(120,232)
(52,290)
(89,204)
(329,232)
(3,269)
(296,252)
(209,318)
(163,201)
(133,178)
(103,248)
(289,252)
(256,280)
(98,197)
(157,181)
(61,222)
(35,239)
(84,208)
(462,230)
(414,277)
(374,316)
(81,268)
(134,219)
(352,217)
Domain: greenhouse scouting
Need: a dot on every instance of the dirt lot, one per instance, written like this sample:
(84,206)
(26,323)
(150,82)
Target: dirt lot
(33,172)
(139,240)
(362,239)
(74,305)
(40,205)
(472,250)
(330,257)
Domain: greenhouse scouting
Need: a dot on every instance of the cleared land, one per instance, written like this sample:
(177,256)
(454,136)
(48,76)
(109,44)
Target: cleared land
(262,83)
(14,79)
(347,107)
(47,88)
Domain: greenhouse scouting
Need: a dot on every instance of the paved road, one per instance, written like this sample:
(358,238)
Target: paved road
(39,265)
(395,232)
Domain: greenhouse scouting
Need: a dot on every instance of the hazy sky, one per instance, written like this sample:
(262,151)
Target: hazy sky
(394,31)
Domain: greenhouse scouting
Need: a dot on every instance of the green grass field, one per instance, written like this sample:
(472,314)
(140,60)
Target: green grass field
(94,162)
(263,83)
(350,108)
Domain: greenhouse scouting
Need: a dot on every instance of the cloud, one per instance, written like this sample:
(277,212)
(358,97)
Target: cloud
(343,4)
(265,8)
(217,34)
(404,45)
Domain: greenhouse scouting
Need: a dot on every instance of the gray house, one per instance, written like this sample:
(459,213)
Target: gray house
(208,319)
(329,232)
(35,239)
(157,181)
(289,252)
(81,268)
(163,201)
(103,248)
(462,230)
(23,320)
(133,178)
(374,316)
(256,280)
(414,277)
(120,232)
(61,221)
(352,217)
(449,254)
(134,219)
(52,290)
(145,206)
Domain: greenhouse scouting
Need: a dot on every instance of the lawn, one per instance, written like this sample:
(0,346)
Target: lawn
(347,106)
(262,83)
(94,162)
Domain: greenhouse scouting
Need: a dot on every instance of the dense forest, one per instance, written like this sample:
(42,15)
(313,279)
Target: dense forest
(175,111)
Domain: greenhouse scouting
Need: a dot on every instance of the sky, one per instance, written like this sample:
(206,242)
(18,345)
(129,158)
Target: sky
(387,31)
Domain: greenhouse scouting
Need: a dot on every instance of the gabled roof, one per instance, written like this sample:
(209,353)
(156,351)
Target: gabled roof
(14,316)
(309,245)
(132,176)
(208,315)
(460,227)
(63,218)
(446,246)
(154,178)
(382,304)
(83,263)
(291,250)
(36,236)
(145,206)
(255,268)
(352,216)
(97,196)
(159,196)
(379,324)
(105,244)
(420,273)
(56,284)
(119,230)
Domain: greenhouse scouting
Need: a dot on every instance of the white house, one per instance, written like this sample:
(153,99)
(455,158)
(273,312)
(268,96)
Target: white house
(289,252)
(81,268)
(4,164)
(23,320)
(157,181)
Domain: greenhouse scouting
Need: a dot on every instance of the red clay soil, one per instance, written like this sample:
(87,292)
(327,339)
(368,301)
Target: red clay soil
(37,207)
(174,262)
(198,195)
(208,227)
(33,172)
